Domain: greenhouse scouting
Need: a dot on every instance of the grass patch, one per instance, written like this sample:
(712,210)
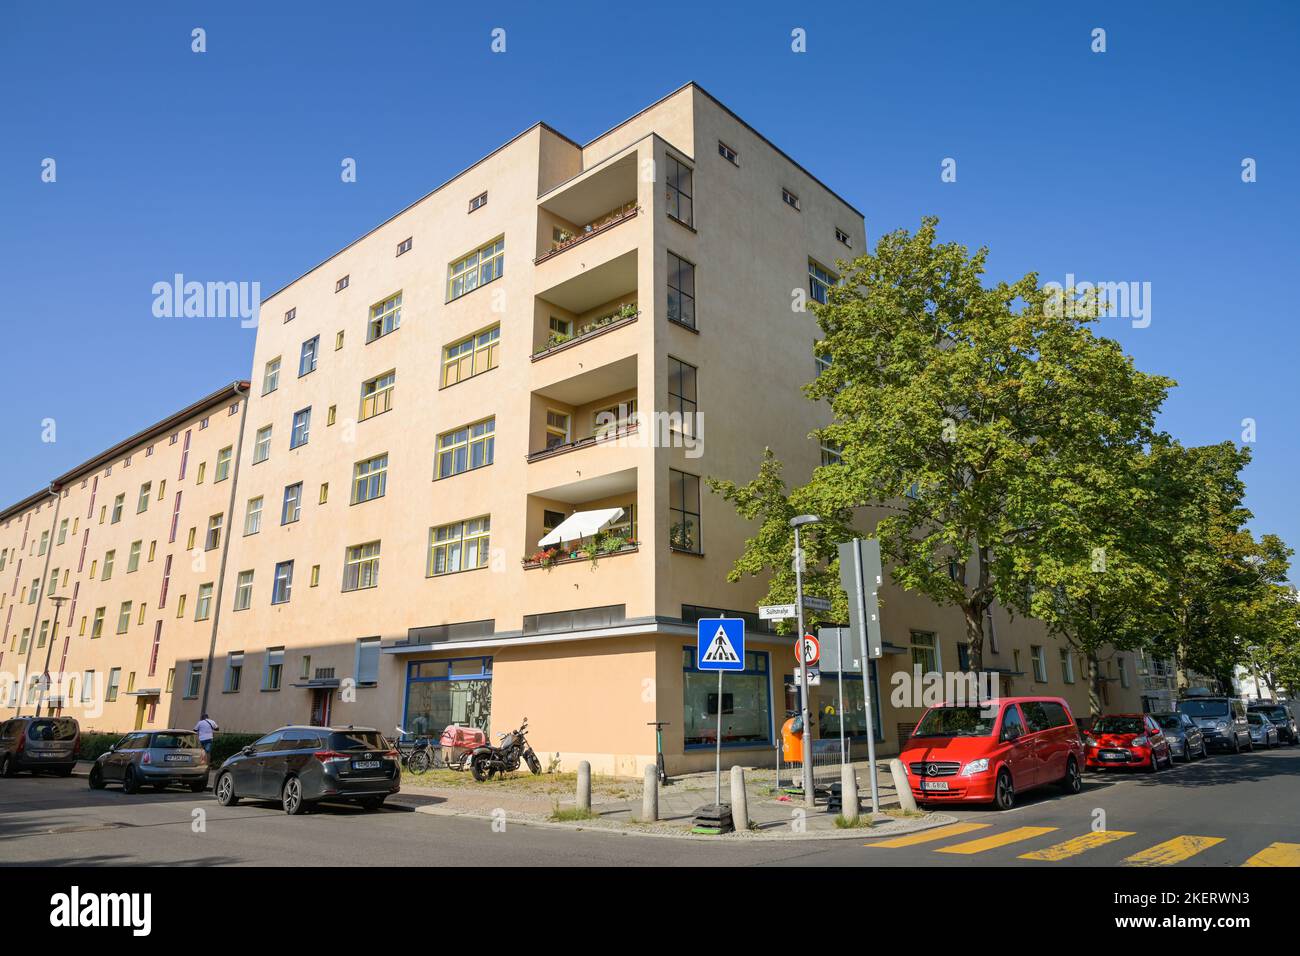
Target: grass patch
(844,823)
(903,814)
(571,814)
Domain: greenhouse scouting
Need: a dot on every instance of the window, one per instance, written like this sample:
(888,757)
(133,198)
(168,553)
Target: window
(97,624)
(361,566)
(478,202)
(189,541)
(613,420)
(331,415)
(681,291)
(180,606)
(262,444)
(324,492)
(679,191)
(109,556)
(684,512)
(307,359)
(301,428)
(832,452)
(338,340)
(315,575)
(925,651)
(444,692)
(282,587)
(1067,665)
(478,268)
(681,392)
(133,557)
(234,671)
(212,540)
(342,284)
(384,317)
(140,616)
(194,679)
(727,153)
(223,464)
(291,314)
(404,246)
(87,686)
(203,603)
(369,479)
(820,280)
(467,448)
(745,704)
(292,507)
(470,356)
(141,506)
(114,680)
(789,198)
(117,516)
(124,617)
(557,428)
(271,376)
(963,656)
(561,330)
(272,668)
(1123,671)
(1038,656)
(244,591)
(377,395)
(460,546)
(171,679)
(843,237)
(368,660)
(203,469)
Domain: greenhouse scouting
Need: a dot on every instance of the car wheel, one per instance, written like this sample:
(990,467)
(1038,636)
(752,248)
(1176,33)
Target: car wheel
(1072,782)
(1236,744)
(291,797)
(1250,746)
(225,790)
(130,782)
(1004,794)
(1154,765)
(96,778)
(7,767)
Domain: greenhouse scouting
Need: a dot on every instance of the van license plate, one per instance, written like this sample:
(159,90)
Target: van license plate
(934,784)
(366,765)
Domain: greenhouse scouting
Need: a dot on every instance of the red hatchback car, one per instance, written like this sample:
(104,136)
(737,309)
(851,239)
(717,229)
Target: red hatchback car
(989,754)
(1127,740)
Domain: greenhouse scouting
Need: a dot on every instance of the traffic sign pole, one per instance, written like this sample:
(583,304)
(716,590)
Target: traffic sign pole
(809,796)
(860,599)
(723,651)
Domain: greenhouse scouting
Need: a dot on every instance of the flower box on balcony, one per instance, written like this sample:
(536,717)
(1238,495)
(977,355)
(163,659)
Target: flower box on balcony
(593,228)
(550,557)
(608,323)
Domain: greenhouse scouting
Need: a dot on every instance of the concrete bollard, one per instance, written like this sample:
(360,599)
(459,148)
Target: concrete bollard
(848,793)
(584,786)
(739,799)
(901,784)
(650,794)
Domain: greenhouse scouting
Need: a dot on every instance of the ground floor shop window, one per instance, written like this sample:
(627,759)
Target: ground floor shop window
(829,709)
(439,693)
(746,703)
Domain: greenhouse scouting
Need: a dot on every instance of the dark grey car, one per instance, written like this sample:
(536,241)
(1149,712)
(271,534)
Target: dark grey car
(39,743)
(1186,741)
(299,766)
(156,758)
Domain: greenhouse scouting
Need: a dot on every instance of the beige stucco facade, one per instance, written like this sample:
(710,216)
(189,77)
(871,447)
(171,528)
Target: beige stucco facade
(591,652)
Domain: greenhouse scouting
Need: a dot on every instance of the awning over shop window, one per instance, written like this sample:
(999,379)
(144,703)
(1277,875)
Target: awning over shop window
(581,524)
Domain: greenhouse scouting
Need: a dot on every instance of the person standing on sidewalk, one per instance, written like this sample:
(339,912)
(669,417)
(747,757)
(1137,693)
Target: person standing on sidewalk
(206,728)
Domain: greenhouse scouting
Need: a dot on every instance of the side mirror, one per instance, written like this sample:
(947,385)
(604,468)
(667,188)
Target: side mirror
(249,750)
(1010,735)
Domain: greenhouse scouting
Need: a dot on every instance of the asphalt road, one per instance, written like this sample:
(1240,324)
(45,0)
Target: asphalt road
(1224,811)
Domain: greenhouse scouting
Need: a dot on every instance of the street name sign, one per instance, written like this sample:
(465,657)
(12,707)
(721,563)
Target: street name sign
(777,612)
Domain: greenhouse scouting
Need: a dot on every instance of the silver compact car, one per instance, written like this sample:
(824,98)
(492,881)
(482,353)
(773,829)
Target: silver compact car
(1186,742)
(1262,731)
(156,758)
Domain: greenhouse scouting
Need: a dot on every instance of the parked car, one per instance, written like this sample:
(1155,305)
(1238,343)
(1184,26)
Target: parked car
(39,744)
(990,754)
(1186,741)
(299,766)
(1128,740)
(1262,731)
(159,758)
(1282,717)
(1221,719)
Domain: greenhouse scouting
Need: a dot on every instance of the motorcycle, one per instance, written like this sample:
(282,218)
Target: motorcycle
(487,760)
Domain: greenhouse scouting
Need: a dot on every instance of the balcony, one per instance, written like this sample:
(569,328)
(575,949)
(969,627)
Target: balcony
(591,408)
(590,204)
(565,235)
(558,339)
(583,521)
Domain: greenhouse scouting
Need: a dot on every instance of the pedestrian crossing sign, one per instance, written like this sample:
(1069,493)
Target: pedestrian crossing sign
(720,644)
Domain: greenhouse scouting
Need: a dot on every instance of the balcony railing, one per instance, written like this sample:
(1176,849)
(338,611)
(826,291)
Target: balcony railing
(605,434)
(571,553)
(606,323)
(593,228)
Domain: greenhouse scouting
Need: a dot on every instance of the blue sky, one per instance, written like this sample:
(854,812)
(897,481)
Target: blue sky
(1118,166)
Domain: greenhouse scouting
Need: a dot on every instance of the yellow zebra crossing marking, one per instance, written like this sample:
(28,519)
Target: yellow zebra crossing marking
(1172,851)
(1276,854)
(928,836)
(996,840)
(1080,844)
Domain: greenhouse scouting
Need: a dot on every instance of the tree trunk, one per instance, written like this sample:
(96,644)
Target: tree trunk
(1181,682)
(1094,685)
(974,614)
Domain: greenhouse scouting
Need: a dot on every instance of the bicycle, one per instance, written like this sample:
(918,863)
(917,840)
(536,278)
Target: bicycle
(658,725)
(420,755)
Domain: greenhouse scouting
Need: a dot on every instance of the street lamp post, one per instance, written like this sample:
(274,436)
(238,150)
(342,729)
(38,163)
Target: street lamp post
(58,603)
(809,795)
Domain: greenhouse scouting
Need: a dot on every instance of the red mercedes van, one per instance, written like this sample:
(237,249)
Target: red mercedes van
(988,754)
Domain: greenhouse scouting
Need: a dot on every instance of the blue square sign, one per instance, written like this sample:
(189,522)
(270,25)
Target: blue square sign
(720,644)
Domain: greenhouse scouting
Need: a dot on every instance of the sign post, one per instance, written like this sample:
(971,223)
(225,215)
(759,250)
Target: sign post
(720,646)
(861,576)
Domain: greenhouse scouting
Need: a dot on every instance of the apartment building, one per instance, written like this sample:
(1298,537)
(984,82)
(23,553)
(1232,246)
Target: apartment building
(471,484)
(112,573)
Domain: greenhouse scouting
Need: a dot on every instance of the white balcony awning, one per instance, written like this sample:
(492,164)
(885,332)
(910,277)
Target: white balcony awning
(581,524)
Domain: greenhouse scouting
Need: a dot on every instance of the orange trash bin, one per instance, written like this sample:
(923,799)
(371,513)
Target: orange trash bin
(792,740)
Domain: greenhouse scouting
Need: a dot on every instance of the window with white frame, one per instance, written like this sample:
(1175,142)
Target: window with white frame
(308,357)
(1067,665)
(282,586)
(1038,658)
(271,376)
(253,516)
(262,444)
(244,591)
(925,651)
(291,510)
(272,668)
(301,428)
